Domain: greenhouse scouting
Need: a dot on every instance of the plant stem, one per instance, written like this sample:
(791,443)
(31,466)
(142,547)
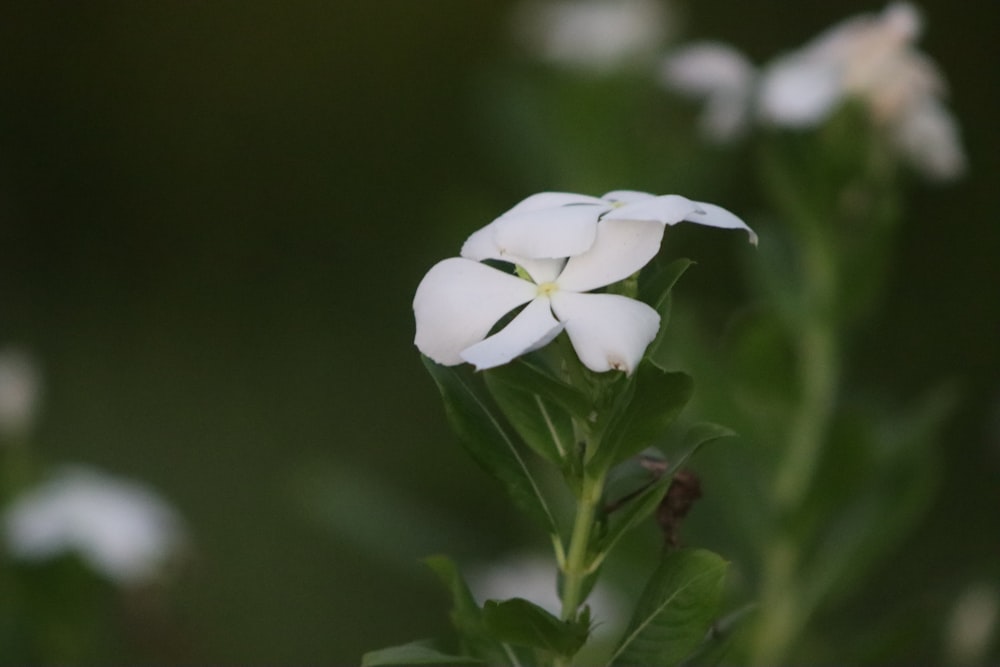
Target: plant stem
(577,568)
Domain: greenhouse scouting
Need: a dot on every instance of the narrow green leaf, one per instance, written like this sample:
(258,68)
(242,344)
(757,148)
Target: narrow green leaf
(543,425)
(414,653)
(675,611)
(659,396)
(480,431)
(523,623)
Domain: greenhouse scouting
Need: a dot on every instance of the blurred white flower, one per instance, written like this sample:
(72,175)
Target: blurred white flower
(592,35)
(973,624)
(720,76)
(20,386)
(120,528)
(870,58)
(564,246)
(534,578)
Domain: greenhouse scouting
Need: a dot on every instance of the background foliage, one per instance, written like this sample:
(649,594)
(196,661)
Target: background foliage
(212,220)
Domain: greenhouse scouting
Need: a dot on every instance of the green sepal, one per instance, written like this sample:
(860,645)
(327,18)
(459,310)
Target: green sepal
(523,623)
(480,430)
(650,404)
(675,611)
(540,407)
(414,653)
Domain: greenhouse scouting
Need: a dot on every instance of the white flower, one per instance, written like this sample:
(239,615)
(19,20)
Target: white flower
(593,35)
(566,245)
(870,58)
(20,385)
(120,528)
(719,75)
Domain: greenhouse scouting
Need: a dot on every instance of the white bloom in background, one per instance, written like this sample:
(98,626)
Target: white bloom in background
(20,386)
(533,578)
(722,78)
(120,528)
(871,58)
(566,245)
(593,35)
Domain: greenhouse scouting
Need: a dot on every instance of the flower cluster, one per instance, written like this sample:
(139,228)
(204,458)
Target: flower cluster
(870,58)
(563,247)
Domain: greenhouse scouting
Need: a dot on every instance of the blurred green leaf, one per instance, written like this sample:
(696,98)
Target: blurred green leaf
(466,616)
(721,636)
(656,290)
(523,623)
(480,430)
(414,653)
(659,396)
(675,611)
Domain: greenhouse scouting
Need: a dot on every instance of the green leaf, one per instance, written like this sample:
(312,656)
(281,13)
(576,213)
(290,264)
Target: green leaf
(657,291)
(728,630)
(657,399)
(528,376)
(414,653)
(480,431)
(466,616)
(646,501)
(522,623)
(539,407)
(675,611)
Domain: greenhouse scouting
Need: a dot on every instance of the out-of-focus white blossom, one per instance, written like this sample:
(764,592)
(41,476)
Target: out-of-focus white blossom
(20,386)
(593,35)
(121,528)
(563,246)
(720,76)
(870,58)
(973,626)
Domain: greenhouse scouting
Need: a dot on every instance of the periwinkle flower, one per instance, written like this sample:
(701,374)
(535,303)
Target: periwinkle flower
(564,246)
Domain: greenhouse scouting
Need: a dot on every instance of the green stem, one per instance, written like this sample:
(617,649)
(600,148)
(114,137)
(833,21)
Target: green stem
(577,566)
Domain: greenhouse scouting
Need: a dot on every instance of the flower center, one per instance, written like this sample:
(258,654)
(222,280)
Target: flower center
(546,289)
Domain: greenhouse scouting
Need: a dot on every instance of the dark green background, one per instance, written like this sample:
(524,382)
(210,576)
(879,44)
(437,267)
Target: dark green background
(213,216)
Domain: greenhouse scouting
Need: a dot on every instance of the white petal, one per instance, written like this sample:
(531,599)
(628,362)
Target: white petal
(608,331)
(625,196)
(544,200)
(622,248)
(549,233)
(533,328)
(542,270)
(716,216)
(928,136)
(800,92)
(666,209)
(707,69)
(457,303)
(481,245)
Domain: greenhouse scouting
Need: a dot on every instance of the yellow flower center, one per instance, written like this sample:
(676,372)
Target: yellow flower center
(546,289)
